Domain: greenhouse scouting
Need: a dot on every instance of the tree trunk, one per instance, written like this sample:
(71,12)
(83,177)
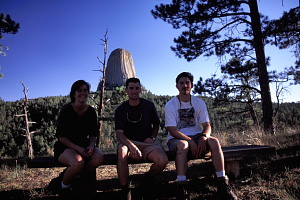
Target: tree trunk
(262,68)
(253,114)
(102,89)
(28,134)
(27,123)
(101,107)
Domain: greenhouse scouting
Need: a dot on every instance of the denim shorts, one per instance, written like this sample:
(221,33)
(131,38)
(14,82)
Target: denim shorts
(172,144)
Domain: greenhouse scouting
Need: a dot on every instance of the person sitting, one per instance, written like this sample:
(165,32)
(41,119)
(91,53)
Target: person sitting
(136,126)
(77,131)
(188,125)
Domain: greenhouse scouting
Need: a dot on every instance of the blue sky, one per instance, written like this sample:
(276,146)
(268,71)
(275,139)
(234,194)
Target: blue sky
(59,41)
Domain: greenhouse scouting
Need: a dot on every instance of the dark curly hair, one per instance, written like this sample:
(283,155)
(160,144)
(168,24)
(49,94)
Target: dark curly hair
(75,86)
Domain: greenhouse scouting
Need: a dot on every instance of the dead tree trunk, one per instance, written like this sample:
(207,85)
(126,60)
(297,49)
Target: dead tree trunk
(102,87)
(27,123)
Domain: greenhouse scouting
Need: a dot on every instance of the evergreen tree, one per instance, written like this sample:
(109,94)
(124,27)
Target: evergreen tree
(8,26)
(215,27)
(45,111)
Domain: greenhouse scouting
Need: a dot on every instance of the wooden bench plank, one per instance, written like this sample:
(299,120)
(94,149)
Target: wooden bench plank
(233,156)
(246,150)
(236,152)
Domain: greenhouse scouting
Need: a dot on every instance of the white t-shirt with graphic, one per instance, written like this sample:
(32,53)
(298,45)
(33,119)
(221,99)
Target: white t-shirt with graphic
(186,116)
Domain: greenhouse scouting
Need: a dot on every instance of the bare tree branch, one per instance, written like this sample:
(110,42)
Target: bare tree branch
(102,86)
(27,122)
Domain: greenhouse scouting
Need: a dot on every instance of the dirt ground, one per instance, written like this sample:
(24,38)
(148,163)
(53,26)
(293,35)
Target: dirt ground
(274,177)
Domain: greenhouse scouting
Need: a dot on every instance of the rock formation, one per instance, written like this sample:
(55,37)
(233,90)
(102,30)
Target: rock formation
(120,67)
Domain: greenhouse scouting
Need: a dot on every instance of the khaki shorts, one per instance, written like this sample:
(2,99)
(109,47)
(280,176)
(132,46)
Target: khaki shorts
(145,148)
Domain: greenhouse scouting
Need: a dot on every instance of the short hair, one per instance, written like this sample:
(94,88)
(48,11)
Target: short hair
(132,80)
(75,86)
(185,74)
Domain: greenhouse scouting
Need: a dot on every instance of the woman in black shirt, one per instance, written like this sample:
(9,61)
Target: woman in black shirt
(77,130)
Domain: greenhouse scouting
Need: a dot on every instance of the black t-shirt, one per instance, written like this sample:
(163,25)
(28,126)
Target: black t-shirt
(77,128)
(136,121)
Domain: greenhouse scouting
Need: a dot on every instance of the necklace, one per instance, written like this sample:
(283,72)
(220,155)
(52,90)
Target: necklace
(135,121)
(180,101)
(133,114)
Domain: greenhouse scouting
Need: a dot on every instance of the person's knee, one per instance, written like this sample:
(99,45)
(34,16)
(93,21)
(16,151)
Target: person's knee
(122,152)
(182,145)
(98,158)
(214,143)
(78,164)
(164,161)
(159,159)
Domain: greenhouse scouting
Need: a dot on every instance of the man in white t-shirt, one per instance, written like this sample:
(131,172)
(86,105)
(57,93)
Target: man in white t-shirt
(188,125)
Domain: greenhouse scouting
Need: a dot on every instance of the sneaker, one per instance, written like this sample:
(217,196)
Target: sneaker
(182,193)
(224,189)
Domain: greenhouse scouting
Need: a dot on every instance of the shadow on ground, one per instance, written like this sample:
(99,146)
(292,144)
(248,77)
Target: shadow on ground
(108,189)
(164,188)
(199,186)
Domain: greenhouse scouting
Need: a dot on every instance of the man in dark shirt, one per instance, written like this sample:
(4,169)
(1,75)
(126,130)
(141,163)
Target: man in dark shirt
(137,125)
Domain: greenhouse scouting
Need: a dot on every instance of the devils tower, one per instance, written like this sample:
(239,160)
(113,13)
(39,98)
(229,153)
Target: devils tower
(120,67)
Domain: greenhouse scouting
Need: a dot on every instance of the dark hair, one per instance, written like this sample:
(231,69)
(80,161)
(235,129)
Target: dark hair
(75,86)
(132,80)
(185,74)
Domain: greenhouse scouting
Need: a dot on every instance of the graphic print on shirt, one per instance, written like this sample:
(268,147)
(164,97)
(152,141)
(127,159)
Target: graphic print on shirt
(186,118)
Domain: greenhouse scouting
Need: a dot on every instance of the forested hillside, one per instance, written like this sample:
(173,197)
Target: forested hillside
(44,112)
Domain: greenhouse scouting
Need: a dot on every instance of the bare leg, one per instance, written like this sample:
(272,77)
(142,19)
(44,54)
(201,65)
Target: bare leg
(75,162)
(181,157)
(217,154)
(96,160)
(122,165)
(160,159)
